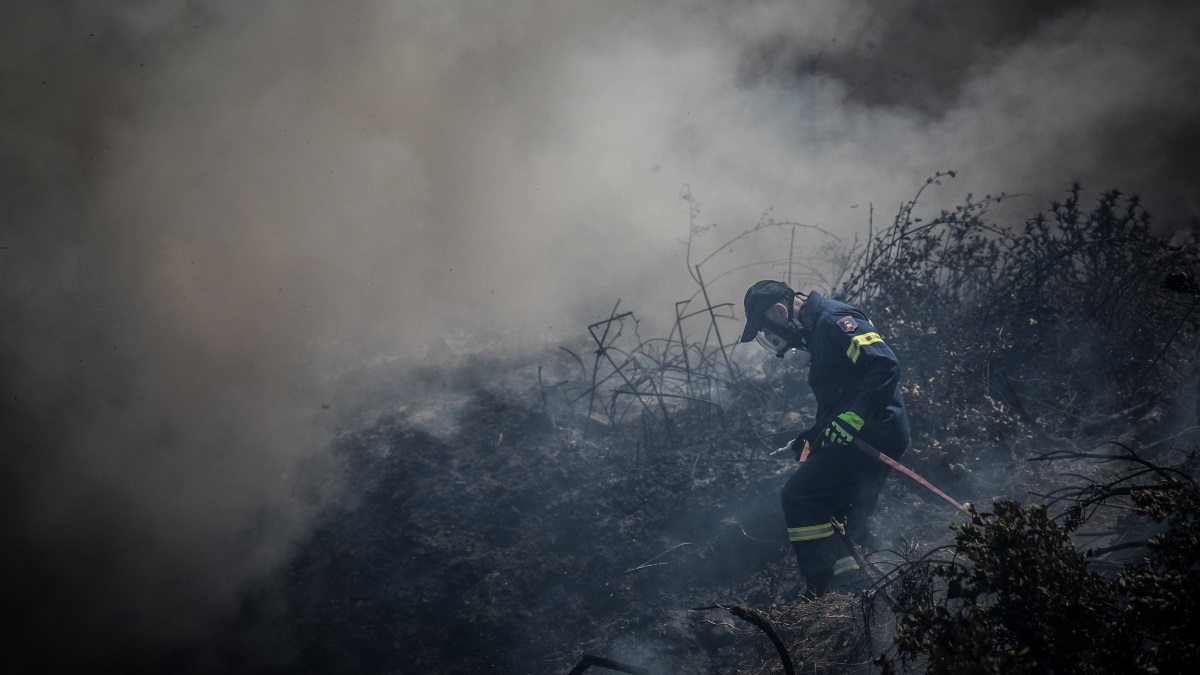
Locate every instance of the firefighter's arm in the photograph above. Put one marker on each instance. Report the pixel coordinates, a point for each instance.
(880, 372)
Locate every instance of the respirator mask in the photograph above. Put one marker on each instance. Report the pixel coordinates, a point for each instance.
(792, 350)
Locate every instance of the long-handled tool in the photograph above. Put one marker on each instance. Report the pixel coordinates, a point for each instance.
(872, 452)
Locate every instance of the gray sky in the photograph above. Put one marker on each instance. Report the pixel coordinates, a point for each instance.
(211, 209)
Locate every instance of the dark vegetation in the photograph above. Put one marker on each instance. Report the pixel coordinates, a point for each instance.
(613, 503)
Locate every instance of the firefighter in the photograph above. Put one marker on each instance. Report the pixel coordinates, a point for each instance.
(854, 376)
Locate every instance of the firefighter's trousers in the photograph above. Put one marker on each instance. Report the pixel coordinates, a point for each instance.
(839, 482)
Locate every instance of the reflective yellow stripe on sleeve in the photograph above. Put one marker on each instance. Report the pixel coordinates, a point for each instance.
(858, 342)
(810, 532)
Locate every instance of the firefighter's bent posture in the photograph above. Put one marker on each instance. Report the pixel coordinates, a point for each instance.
(855, 378)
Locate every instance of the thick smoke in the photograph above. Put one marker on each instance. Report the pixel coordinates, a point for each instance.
(210, 210)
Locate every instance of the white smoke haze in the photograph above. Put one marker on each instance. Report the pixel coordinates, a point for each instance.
(212, 209)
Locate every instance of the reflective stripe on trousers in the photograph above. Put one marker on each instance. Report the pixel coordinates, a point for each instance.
(847, 564)
(810, 532)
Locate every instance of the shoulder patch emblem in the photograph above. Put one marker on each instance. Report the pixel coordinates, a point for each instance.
(847, 324)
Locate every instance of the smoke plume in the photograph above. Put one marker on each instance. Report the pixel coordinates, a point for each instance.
(211, 210)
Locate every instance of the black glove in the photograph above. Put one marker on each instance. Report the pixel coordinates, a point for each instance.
(796, 446)
(812, 436)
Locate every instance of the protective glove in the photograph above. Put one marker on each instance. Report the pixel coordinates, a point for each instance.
(798, 447)
(843, 428)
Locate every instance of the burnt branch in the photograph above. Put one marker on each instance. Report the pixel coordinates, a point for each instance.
(755, 617)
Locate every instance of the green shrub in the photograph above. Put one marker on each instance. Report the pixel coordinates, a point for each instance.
(1019, 598)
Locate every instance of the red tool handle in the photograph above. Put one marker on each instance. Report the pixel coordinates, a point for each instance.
(866, 447)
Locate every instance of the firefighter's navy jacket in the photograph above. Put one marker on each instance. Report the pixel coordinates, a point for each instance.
(853, 370)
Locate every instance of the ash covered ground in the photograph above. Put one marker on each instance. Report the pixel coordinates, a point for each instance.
(492, 525)
(491, 528)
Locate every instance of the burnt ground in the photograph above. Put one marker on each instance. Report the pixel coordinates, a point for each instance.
(487, 528)
(488, 523)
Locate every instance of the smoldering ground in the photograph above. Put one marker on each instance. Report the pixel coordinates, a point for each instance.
(212, 210)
